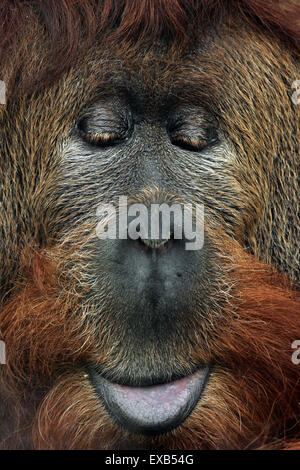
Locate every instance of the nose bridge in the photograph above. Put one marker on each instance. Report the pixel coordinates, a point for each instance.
(151, 174)
(155, 212)
(152, 157)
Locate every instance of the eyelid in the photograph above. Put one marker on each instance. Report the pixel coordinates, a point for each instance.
(194, 138)
(105, 124)
(102, 139)
(190, 143)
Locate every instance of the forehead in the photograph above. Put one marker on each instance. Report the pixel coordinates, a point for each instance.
(152, 78)
(226, 67)
(164, 76)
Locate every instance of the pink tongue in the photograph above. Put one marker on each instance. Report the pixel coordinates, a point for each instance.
(156, 408)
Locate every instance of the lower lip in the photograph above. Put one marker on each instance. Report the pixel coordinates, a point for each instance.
(154, 409)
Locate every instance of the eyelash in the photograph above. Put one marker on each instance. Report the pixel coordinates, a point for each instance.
(108, 139)
(103, 139)
(195, 144)
(188, 143)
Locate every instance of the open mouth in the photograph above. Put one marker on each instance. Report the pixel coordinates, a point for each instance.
(153, 409)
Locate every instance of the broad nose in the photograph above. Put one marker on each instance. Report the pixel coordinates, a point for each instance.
(154, 244)
(157, 233)
(151, 270)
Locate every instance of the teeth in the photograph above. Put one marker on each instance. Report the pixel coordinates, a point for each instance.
(154, 243)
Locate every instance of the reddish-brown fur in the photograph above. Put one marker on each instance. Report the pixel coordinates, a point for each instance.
(262, 322)
(72, 25)
(47, 404)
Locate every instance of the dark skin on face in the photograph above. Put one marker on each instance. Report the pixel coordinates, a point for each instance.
(106, 331)
(146, 145)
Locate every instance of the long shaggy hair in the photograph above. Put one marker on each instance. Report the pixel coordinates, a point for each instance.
(49, 332)
(71, 26)
(48, 402)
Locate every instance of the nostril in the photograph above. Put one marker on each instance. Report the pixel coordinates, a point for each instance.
(154, 243)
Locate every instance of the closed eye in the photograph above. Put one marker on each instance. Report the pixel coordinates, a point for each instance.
(189, 143)
(101, 139)
(195, 143)
(105, 124)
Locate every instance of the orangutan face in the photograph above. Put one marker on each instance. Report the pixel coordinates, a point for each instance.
(151, 341)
